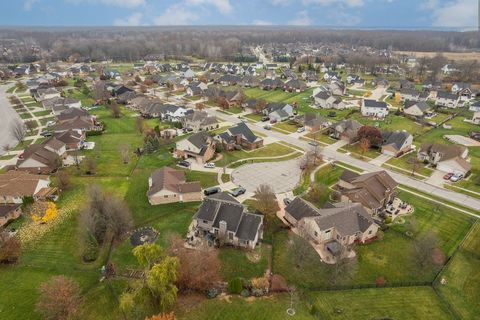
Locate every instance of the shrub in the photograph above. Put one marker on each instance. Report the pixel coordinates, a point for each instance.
(235, 286)
(245, 293)
(380, 281)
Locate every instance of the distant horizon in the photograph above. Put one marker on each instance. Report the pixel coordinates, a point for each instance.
(437, 15)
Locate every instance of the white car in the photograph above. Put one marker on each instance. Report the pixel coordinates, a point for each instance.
(50, 123)
(209, 165)
(300, 130)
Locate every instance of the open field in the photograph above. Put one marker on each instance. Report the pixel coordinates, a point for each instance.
(460, 56)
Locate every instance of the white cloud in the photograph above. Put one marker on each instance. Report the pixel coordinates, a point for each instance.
(223, 6)
(175, 15)
(262, 23)
(458, 13)
(130, 21)
(28, 4)
(302, 19)
(117, 3)
(280, 2)
(348, 3)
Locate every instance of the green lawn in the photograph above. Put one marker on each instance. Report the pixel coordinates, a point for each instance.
(237, 263)
(207, 179)
(286, 126)
(403, 162)
(355, 148)
(393, 123)
(385, 303)
(237, 308)
(25, 115)
(462, 287)
(269, 150)
(42, 113)
(254, 117)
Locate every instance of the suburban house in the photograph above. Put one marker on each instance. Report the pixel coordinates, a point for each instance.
(271, 84)
(196, 88)
(325, 100)
(463, 90)
(199, 121)
(310, 75)
(373, 108)
(278, 111)
(59, 104)
(446, 158)
(346, 130)
(417, 109)
(167, 185)
(223, 219)
(446, 99)
(239, 135)
(199, 146)
(336, 226)
(250, 81)
(475, 106)
(48, 93)
(228, 80)
(396, 143)
(80, 124)
(476, 117)
(412, 95)
(17, 185)
(295, 85)
(331, 76)
(337, 88)
(380, 82)
(313, 121)
(73, 140)
(42, 158)
(120, 89)
(373, 190)
(170, 112)
(9, 212)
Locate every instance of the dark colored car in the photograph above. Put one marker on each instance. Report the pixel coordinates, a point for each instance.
(265, 119)
(184, 163)
(212, 190)
(238, 191)
(46, 134)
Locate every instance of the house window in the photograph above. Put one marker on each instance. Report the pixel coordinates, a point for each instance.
(328, 231)
(370, 232)
(165, 196)
(205, 221)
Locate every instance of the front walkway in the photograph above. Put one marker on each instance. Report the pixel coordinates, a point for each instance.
(381, 159)
(337, 145)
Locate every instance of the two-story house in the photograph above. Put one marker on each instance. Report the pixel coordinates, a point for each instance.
(199, 146)
(373, 108)
(446, 158)
(239, 135)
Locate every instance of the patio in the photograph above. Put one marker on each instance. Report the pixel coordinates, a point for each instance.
(398, 208)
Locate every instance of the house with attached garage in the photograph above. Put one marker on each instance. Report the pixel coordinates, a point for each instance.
(271, 84)
(310, 75)
(346, 129)
(44, 158)
(373, 108)
(380, 82)
(228, 80)
(313, 121)
(396, 143)
(474, 106)
(221, 219)
(463, 90)
(239, 135)
(250, 81)
(9, 212)
(199, 121)
(17, 185)
(418, 109)
(186, 72)
(199, 146)
(325, 100)
(295, 85)
(167, 185)
(44, 94)
(334, 226)
(446, 158)
(412, 95)
(73, 140)
(172, 113)
(448, 100)
(337, 88)
(331, 76)
(373, 190)
(59, 104)
(278, 111)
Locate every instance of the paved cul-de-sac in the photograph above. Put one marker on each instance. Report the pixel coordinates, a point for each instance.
(282, 176)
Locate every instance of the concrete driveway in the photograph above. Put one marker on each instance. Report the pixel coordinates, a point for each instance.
(7, 117)
(436, 179)
(282, 176)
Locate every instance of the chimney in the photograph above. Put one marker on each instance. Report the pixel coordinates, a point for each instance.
(222, 225)
(150, 182)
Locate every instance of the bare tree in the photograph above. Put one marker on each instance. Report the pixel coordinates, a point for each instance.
(90, 165)
(62, 179)
(344, 267)
(116, 110)
(31, 125)
(424, 249)
(199, 268)
(60, 298)
(100, 91)
(10, 248)
(415, 163)
(140, 125)
(17, 130)
(6, 147)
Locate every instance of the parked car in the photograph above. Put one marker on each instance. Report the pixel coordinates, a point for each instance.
(184, 163)
(212, 190)
(448, 176)
(267, 127)
(456, 177)
(238, 191)
(46, 134)
(209, 165)
(313, 143)
(265, 119)
(273, 121)
(286, 201)
(50, 123)
(300, 130)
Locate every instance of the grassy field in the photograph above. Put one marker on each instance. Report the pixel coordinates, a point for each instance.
(269, 150)
(462, 287)
(385, 303)
(236, 308)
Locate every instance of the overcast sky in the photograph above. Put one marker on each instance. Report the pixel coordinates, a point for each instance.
(334, 13)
